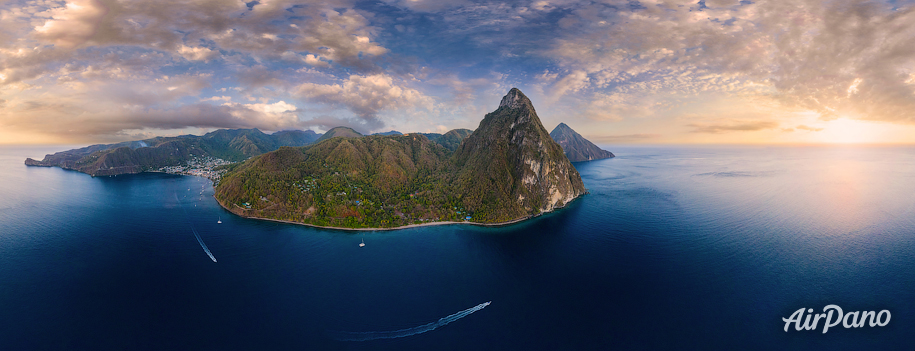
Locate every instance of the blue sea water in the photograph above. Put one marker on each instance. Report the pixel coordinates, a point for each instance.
(703, 248)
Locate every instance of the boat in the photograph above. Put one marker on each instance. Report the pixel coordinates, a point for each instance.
(219, 221)
(362, 244)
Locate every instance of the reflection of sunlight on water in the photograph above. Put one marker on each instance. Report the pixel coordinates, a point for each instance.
(840, 191)
(806, 191)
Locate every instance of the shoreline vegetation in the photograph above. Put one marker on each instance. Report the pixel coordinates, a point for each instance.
(508, 169)
(409, 226)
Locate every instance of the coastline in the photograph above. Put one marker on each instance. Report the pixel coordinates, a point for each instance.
(409, 226)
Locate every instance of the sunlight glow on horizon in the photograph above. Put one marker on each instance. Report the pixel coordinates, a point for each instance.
(664, 72)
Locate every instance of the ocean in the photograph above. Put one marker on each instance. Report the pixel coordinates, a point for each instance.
(675, 247)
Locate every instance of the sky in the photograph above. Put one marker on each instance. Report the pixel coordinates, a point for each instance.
(654, 71)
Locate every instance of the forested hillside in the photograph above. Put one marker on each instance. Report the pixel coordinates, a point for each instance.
(509, 168)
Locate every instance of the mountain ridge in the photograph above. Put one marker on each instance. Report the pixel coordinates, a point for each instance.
(576, 147)
(513, 151)
(506, 170)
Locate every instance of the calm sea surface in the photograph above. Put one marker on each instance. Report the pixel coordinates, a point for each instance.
(675, 248)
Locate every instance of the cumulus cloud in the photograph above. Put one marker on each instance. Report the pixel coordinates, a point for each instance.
(71, 120)
(718, 67)
(276, 116)
(71, 24)
(571, 82)
(197, 53)
(41, 35)
(366, 96)
(850, 58)
(107, 66)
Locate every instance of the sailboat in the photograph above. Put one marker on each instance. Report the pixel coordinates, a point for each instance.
(362, 244)
(219, 220)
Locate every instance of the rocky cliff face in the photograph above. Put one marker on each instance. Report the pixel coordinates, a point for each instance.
(510, 166)
(507, 169)
(576, 147)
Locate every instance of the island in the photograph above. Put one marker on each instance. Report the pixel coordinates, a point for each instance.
(506, 170)
(576, 147)
(165, 153)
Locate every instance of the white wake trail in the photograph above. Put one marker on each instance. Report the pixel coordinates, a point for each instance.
(204, 246)
(366, 336)
(199, 240)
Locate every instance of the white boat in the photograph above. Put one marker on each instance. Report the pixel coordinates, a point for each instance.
(219, 221)
(362, 244)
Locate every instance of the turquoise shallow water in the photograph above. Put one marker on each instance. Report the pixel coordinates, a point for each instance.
(675, 248)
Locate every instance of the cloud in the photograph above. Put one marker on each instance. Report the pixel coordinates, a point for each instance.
(847, 58)
(427, 5)
(41, 35)
(71, 120)
(624, 138)
(314, 61)
(72, 24)
(276, 116)
(571, 82)
(96, 67)
(736, 127)
(809, 129)
(719, 66)
(197, 53)
(366, 96)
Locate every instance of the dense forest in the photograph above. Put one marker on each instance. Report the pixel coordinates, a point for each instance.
(509, 168)
(372, 181)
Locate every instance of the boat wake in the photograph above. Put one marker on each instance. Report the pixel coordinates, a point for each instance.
(204, 246)
(196, 235)
(375, 335)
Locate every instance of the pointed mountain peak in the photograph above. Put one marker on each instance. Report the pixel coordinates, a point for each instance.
(510, 166)
(575, 146)
(514, 99)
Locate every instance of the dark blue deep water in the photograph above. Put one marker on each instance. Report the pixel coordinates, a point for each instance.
(676, 248)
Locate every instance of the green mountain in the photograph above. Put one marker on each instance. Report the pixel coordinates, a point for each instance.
(507, 169)
(510, 167)
(372, 181)
(295, 137)
(393, 132)
(152, 154)
(345, 132)
(576, 147)
(432, 136)
(450, 140)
